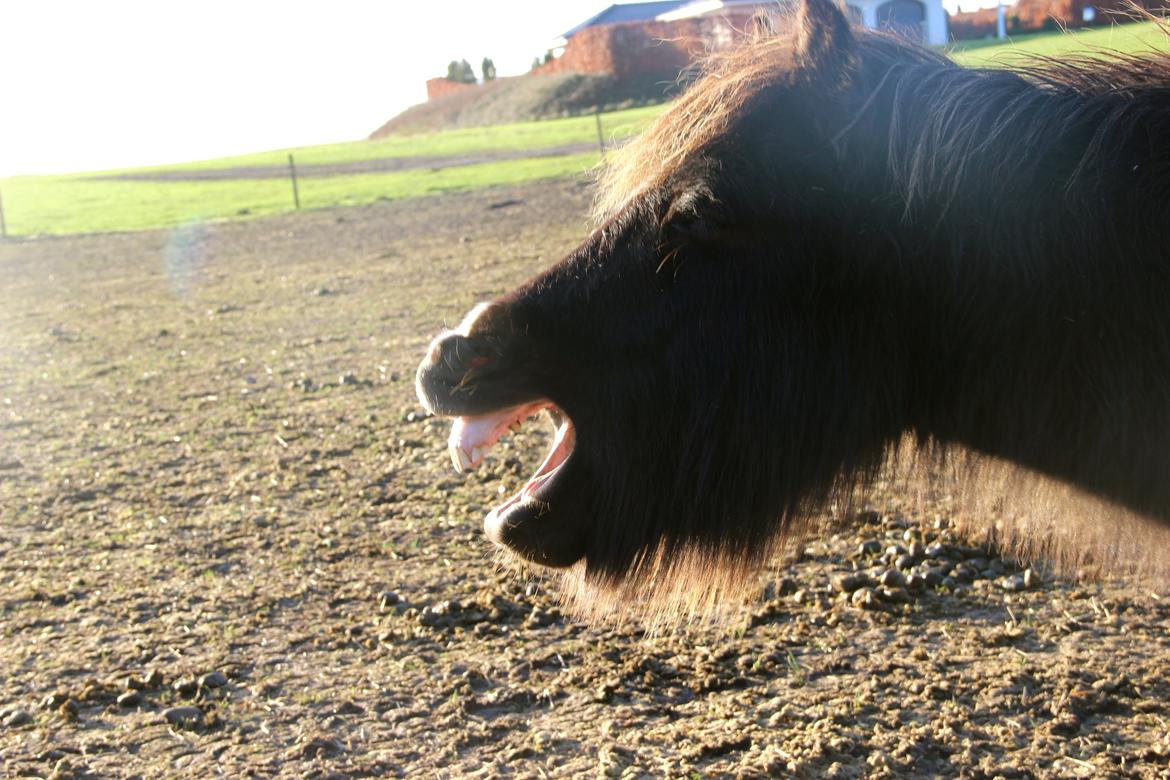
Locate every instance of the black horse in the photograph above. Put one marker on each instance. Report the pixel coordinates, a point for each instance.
(840, 253)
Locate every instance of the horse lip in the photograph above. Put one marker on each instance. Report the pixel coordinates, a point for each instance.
(523, 523)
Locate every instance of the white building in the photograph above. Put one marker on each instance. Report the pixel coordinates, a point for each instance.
(924, 20)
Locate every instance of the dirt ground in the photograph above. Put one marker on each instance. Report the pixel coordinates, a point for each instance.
(232, 544)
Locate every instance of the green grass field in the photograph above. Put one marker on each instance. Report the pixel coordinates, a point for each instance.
(1129, 38)
(522, 135)
(86, 203)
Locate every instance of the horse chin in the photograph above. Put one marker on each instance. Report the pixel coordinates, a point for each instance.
(530, 529)
(526, 523)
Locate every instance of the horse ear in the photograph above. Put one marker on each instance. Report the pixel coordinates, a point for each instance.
(824, 43)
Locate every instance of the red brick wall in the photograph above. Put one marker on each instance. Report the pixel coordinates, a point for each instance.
(444, 86)
(1035, 14)
(646, 47)
(974, 24)
(1030, 15)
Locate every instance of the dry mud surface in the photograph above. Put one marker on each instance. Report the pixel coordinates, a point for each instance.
(230, 543)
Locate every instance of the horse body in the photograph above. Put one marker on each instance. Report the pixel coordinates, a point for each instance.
(836, 254)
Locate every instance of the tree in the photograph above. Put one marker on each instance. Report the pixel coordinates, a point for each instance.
(460, 71)
(488, 69)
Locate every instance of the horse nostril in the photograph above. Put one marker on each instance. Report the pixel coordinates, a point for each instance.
(452, 356)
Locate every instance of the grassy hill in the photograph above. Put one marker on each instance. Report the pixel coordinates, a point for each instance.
(527, 98)
(1128, 38)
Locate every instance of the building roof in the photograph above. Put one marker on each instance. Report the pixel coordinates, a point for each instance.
(692, 8)
(627, 12)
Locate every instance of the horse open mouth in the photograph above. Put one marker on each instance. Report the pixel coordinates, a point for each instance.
(472, 437)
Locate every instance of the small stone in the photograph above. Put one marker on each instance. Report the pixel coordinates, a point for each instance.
(891, 578)
(915, 582)
(62, 770)
(431, 616)
(894, 550)
(347, 378)
(130, 699)
(868, 517)
(894, 595)
(54, 700)
(388, 599)
(185, 686)
(1013, 584)
(1031, 578)
(17, 717)
(935, 550)
(905, 561)
(870, 547)
(864, 598)
(185, 717)
(933, 578)
(916, 551)
(539, 618)
(848, 583)
(213, 680)
(896, 522)
(963, 573)
(68, 710)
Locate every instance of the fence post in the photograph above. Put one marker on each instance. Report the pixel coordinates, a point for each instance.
(600, 137)
(3, 226)
(292, 172)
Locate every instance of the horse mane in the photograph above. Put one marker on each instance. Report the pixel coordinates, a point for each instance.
(960, 118)
(962, 152)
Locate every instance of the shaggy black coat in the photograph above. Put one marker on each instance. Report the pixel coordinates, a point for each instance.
(840, 253)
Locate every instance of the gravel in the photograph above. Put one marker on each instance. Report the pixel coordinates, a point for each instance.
(134, 557)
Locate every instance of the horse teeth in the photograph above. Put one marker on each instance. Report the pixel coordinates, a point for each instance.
(477, 454)
(460, 458)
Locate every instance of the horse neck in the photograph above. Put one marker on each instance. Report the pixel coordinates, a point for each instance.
(1049, 346)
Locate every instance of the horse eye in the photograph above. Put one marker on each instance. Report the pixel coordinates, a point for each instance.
(691, 215)
(692, 226)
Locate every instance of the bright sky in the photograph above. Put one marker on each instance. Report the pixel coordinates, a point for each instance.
(93, 84)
